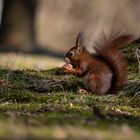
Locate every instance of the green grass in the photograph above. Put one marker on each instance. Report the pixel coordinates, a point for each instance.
(46, 104)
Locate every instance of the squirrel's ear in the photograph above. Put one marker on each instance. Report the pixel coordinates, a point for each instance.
(79, 40)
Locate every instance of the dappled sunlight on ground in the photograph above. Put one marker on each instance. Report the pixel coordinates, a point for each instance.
(27, 61)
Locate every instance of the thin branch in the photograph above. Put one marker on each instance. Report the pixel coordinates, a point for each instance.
(138, 57)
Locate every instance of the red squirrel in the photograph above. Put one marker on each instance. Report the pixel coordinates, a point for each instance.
(103, 72)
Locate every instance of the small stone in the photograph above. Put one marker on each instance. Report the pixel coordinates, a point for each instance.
(71, 104)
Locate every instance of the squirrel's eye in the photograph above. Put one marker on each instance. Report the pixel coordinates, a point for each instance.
(71, 54)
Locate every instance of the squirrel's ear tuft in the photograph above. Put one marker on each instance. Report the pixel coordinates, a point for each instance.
(79, 40)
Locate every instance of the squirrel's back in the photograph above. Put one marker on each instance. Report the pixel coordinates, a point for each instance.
(108, 49)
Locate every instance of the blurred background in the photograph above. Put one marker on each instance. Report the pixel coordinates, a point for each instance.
(49, 27)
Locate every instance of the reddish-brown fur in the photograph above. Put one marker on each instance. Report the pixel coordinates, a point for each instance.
(103, 72)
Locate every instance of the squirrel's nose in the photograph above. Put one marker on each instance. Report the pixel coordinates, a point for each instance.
(66, 60)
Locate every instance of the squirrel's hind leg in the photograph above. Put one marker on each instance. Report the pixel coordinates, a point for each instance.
(83, 91)
(90, 83)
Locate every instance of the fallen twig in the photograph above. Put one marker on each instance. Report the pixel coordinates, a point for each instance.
(138, 57)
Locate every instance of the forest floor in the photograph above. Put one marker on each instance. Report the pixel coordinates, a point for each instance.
(46, 104)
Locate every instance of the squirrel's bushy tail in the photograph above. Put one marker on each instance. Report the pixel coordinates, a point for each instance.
(108, 49)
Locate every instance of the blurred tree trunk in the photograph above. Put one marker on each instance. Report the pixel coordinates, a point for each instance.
(1, 7)
(17, 26)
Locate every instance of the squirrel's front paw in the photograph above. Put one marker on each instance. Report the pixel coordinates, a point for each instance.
(67, 68)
